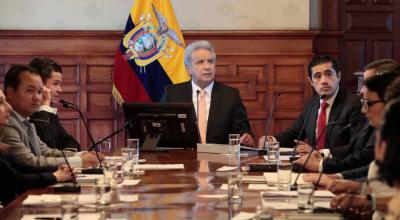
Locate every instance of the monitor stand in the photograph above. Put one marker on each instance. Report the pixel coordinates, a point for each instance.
(151, 142)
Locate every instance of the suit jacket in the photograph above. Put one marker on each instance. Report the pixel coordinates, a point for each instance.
(51, 132)
(360, 153)
(15, 135)
(359, 173)
(346, 108)
(227, 113)
(14, 182)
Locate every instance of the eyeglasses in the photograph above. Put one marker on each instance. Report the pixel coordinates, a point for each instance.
(369, 103)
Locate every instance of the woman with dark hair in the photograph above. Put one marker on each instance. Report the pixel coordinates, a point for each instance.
(389, 142)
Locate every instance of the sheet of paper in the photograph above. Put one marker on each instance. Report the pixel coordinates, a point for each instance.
(161, 166)
(254, 179)
(129, 198)
(213, 196)
(244, 216)
(226, 168)
(317, 193)
(56, 199)
(281, 157)
(262, 187)
(224, 187)
(88, 178)
(323, 204)
(130, 182)
(272, 178)
(279, 205)
(86, 216)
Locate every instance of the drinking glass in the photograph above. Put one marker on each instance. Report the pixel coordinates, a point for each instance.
(273, 152)
(305, 200)
(284, 175)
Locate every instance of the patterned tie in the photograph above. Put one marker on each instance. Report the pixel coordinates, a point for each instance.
(202, 116)
(34, 144)
(322, 126)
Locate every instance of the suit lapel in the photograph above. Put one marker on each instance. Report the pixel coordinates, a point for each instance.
(312, 126)
(214, 105)
(335, 113)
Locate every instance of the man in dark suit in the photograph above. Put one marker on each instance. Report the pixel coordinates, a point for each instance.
(47, 123)
(219, 108)
(338, 105)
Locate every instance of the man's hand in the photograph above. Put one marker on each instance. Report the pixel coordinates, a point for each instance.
(348, 202)
(261, 141)
(326, 179)
(312, 164)
(46, 96)
(89, 160)
(63, 174)
(303, 148)
(338, 186)
(247, 140)
(101, 156)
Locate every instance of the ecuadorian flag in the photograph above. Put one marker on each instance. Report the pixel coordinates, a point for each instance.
(150, 55)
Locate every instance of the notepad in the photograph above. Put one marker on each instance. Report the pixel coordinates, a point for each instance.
(161, 166)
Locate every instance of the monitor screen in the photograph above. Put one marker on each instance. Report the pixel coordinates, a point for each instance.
(163, 125)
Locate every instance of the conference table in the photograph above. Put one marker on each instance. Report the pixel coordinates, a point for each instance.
(165, 194)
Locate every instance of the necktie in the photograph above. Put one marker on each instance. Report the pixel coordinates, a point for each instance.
(202, 116)
(321, 130)
(34, 144)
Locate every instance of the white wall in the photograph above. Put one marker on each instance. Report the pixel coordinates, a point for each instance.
(191, 14)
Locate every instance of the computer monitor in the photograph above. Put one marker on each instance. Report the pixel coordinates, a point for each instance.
(162, 125)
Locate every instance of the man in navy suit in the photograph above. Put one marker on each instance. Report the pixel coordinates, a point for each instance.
(218, 106)
(340, 105)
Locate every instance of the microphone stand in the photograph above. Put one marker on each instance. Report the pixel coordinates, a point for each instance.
(302, 167)
(68, 188)
(293, 157)
(270, 119)
(98, 170)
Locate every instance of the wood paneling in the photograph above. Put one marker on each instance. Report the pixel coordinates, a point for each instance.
(258, 63)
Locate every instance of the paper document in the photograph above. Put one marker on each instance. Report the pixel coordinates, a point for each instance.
(160, 166)
(272, 178)
(226, 168)
(129, 198)
(244, 216)
(317, 193)
(213, 196)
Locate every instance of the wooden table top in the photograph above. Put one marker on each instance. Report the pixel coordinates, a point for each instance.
(165, 194)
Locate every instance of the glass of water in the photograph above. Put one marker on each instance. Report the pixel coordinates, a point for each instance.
(305, 200)
(105, 146)
(69, 207)
(273, 152)
(235, 190)
(284, 175)
(133, 145)
(234, 150)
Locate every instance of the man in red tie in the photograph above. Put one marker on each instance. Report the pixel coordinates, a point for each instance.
(331, 104)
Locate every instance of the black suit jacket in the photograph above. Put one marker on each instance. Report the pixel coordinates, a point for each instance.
(345, 108)
(227, 114)
(359, 173)
(13, 182)
(360, 153)
(51, 132)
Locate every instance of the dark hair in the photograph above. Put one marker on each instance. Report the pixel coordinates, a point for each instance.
(12, 78)
(379, 83)
(320, 59)
(390, 133)
(45, 66)
(393, 91)
(382, 65)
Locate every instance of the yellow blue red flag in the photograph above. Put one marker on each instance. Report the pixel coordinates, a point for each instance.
(150, 56)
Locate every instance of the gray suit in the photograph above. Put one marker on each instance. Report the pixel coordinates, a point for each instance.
(15, 135)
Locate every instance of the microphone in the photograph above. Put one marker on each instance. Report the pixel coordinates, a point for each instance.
(76, 108)
(270, 118)
(304, 125)
(302, 167)
(320, 174)
(68, 188)
(197, 103)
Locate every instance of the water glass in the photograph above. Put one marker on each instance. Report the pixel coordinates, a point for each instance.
(234, 150)
(105, 146)
(273, 152)
(235, 190)
(69, 207)
(103, 191)
(133, 144)
(305, 201)
(284, 175)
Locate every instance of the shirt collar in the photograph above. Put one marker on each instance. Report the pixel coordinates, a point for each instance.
(208, 89)
(19, 117)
